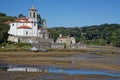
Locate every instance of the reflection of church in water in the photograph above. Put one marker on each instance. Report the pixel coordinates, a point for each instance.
(29, 30)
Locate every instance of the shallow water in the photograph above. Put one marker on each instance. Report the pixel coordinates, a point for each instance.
(51, 69)
(84, 72)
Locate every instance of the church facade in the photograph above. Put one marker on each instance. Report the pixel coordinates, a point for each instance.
(28, 30)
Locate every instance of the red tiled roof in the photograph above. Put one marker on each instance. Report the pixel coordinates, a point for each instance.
(22, 20)
(24, 27)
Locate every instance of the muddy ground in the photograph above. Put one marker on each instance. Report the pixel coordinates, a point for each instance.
(95, 58)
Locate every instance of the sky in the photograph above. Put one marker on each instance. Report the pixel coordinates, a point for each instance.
(67, 13)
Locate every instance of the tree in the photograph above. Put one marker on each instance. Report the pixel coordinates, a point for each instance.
(21, 16)
(116, 38)
(2, 14)
(3, 33)
(4, 27)
(39, 20)
(82, 38)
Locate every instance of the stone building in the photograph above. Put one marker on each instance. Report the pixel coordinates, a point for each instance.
(65, 41)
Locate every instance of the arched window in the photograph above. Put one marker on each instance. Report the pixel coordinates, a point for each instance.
(34, 15)
(30, 14)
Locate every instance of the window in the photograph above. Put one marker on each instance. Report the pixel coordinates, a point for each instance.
(34, 24)
(34, 15)
(30, 14)
(12, 24)
(26, 32)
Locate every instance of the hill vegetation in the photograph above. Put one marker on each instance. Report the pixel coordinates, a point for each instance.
(104, 34)
(4, 27)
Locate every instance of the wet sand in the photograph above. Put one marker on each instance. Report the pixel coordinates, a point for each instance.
(100, 58)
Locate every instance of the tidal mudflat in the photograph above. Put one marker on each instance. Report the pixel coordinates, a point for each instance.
(85, 64)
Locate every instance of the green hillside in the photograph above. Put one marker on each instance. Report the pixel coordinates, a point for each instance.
(104, 34)
(4, 27)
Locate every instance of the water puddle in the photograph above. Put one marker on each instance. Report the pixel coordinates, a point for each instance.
(84, 72)
(46, 69)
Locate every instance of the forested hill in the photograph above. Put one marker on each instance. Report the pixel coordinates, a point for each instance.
(4, 27)
(104, 34)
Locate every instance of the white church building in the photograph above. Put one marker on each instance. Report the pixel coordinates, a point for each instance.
(27, 30)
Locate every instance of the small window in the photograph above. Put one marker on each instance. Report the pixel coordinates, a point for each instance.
(35, 24)
(30, 14)
(12, 24)
(34, 15)
(26, 32)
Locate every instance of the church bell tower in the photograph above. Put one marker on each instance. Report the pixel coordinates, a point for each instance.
(33, 14)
